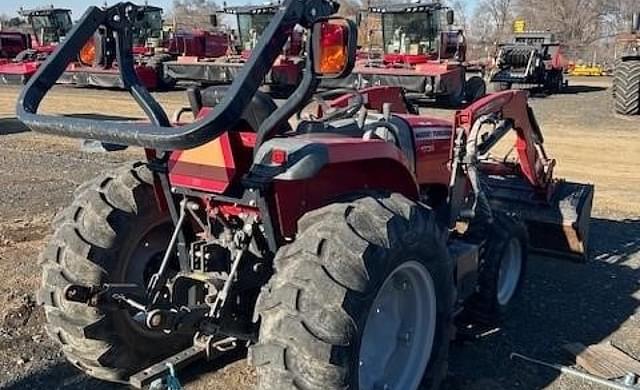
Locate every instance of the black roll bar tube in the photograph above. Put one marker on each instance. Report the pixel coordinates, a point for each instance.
(159, 134)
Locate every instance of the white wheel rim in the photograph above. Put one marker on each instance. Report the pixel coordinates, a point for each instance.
(509, 271)
(398, 336)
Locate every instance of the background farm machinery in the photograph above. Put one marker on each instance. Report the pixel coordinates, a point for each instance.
(626, 82)
(420, 52)
(96, 65)
(48, 27)
(531, 58)
(222, 69)
(153, 47)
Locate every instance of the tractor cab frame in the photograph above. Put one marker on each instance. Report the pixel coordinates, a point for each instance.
(49, 25)
(421, 51)
(251, 21)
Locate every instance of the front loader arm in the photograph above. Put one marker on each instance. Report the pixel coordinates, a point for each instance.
(556, 212)
(511, 108)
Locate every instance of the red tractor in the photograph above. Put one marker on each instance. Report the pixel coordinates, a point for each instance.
(221, 69)
(532, 58)
(49, 26)
(96, 63)
(340, 250)
(13, 43)
(421, 53)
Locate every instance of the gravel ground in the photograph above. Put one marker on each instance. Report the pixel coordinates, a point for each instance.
(562, 301)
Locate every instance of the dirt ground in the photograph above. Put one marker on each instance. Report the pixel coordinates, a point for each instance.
(562, 301)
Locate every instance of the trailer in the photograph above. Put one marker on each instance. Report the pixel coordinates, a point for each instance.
(531, 58)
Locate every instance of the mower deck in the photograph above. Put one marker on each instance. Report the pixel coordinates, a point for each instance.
(209, 72)
(17, 73)
(105, 78)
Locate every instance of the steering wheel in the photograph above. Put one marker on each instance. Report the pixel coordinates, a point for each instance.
(329, 113)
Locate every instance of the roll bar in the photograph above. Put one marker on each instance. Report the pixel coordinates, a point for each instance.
(159, 134)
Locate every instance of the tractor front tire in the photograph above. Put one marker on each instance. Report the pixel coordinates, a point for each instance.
(322, 320)
(554, 81)
(113, 232)
(627, 87)
(503, 264)
(475, 89)
(165, 82)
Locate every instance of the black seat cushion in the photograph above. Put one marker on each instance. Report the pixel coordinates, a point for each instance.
(260, 108)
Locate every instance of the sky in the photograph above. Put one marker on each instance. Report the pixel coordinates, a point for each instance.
(10, 7)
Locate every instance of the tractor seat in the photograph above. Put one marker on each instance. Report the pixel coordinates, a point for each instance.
(396, 130)
(258, 110)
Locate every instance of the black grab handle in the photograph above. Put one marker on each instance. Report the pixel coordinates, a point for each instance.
(159, 134)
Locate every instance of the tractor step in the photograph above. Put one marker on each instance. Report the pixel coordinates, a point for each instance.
(556, 226)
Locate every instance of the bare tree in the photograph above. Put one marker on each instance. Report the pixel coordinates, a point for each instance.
(619, 14)
(461, 12)
(491, 19)
(500, 14)
(491, 25)
(349, 8)
(192, 14)
(577, 23)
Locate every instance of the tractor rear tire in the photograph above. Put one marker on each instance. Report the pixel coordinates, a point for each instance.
(113, 221)
(627, 87)
(499, 282)
(315, 309)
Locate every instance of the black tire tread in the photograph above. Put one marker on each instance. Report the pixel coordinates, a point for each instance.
(627, 87)
(483, 306)
(475, 89)
(307, 309)
(87, 236)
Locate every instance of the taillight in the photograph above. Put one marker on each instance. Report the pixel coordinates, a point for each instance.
(278, 157)
(87, 54)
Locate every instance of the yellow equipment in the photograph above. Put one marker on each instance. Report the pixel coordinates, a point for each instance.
(587, 70)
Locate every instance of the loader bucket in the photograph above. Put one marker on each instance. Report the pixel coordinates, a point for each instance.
(558, 226)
